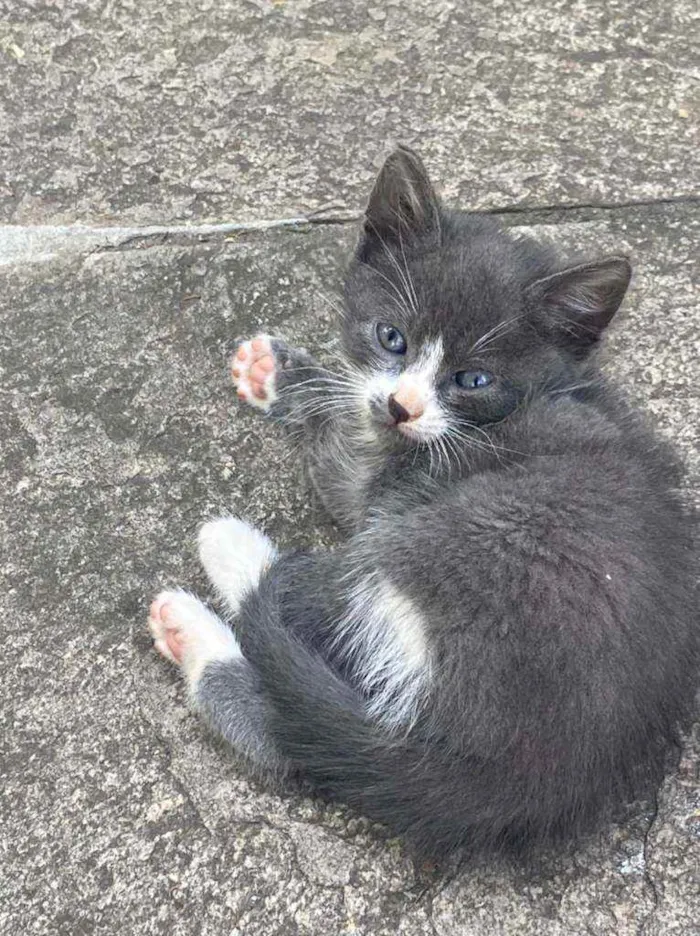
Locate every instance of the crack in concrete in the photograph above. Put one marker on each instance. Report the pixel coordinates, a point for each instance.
(331, 216)
(598, 206)
(37, 243)
(648, 878)
(166, 748)
(430, 914)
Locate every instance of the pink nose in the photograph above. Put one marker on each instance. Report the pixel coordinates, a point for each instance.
(398, 412)
(406, 403)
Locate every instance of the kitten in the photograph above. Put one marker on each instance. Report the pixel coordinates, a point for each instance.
(507, 641)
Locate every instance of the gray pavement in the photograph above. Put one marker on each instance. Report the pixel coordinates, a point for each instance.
(119, 432)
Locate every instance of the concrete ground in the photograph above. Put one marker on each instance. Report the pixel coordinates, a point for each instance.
(144, 146)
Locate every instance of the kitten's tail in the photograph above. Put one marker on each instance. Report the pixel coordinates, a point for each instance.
(320, 724)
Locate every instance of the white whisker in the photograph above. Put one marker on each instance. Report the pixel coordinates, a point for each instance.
(333, 304)
(498, 331)
(410, 280)
(405, 297)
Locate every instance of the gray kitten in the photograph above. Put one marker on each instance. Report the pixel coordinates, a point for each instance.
(507, 641)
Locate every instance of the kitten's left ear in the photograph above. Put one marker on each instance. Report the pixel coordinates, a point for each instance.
(580, 302)
(403, 201)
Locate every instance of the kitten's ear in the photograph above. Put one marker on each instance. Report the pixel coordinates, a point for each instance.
(403, 202)
(580, 302)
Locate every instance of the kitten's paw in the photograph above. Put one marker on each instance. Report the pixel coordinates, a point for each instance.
(234, 555)
(253, 369)
(166, 639)
(187, 633)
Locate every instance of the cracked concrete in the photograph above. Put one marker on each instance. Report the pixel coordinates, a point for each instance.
(167, 192)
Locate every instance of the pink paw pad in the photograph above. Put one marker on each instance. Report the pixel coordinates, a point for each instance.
(167, 637)
(253, 371)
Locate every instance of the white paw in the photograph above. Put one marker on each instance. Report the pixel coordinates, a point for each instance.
(234, 555)
(253, 369)
(187, 633)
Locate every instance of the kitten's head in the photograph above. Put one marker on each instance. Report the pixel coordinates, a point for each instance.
(451, 323)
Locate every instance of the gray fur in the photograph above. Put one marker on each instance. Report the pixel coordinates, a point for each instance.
(229, 697)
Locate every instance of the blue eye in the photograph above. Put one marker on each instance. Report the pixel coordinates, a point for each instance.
(391, 339)
(472, 380)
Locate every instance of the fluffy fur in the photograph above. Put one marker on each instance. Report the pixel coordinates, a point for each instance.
(507, 642)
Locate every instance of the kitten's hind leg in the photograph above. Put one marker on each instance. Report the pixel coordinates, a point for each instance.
(188, 634)
(234, 555)
(222, 685)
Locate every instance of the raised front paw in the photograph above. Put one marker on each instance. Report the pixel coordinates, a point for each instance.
(254, 371)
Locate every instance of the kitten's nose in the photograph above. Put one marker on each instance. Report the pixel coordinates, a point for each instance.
(399, 413)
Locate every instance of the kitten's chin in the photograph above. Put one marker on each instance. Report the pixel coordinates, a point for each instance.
(413, 433)
(387, 433)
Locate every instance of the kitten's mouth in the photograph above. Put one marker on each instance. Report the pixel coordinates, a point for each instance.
(408, 429)
(414, 431)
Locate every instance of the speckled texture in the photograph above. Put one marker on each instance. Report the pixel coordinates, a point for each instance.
(150, 111)
(119, 433)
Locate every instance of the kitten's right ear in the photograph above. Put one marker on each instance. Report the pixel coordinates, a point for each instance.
(403, 202)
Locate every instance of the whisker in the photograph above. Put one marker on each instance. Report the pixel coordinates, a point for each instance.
(406, 296)
(319, 407)
(489, 445)
(401, 306)
(444, 452)
(408, 276)
(579, 386)
(402, 276)
(308, 387)
(399, 299)
(498, 331)
(458, 449)
(452, 446)
(334, 304)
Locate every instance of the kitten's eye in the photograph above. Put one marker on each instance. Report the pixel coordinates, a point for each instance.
(472, 380)
(391, 339)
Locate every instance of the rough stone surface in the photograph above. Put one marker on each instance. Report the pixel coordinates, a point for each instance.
(138, 141)
(119, 433)
(149, 111)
